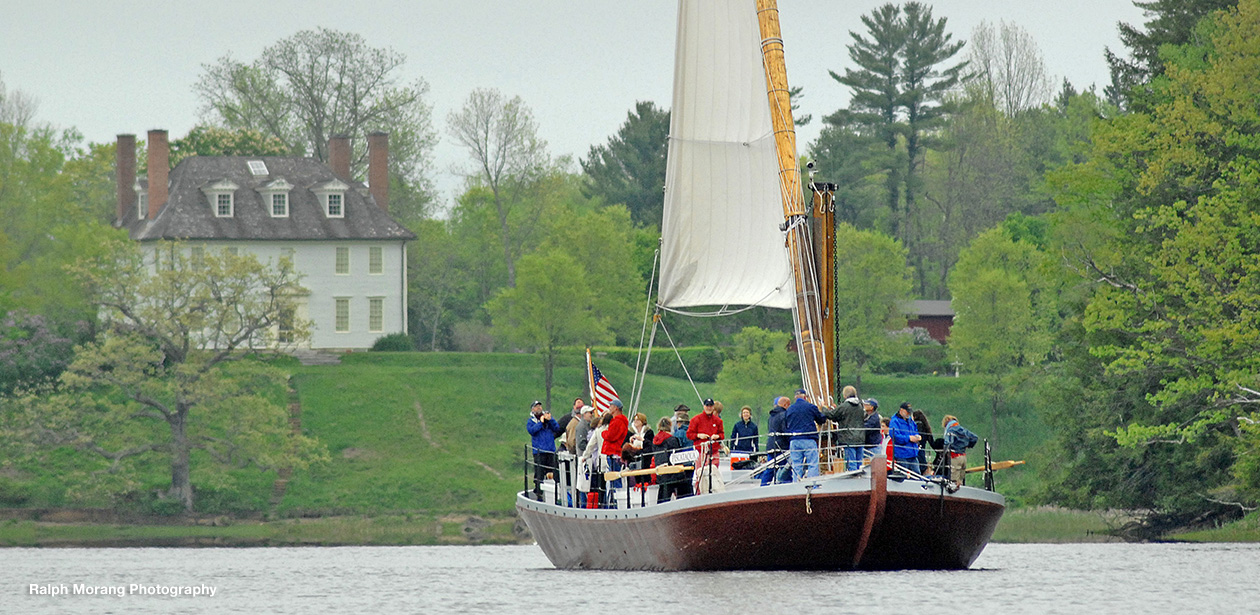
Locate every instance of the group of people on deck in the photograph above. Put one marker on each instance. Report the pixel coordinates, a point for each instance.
(609, 441)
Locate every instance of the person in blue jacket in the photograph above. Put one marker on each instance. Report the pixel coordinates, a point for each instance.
(543, 431)
(744, 437)
(905, 437)
(802, 421)
(957, 440)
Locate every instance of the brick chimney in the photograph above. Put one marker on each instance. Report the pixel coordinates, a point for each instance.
(159, 171)
(378, 168)
(339, 156)
(125, 173)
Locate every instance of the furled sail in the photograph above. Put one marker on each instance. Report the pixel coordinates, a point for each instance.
(720, 238)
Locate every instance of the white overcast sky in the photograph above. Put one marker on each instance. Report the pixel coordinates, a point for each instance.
(127, 66)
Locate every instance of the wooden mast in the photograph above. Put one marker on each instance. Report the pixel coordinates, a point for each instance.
(815, 371)
(824, 227)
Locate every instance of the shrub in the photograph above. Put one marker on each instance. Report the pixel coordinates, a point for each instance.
(703, 362)
(13, 493)
(31, 351)
(922, 360)
(394, 342)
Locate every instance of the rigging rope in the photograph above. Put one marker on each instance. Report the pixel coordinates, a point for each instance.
(680, 359)
(647, 310)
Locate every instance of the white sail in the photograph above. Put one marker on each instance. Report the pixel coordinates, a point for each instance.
(720, 238)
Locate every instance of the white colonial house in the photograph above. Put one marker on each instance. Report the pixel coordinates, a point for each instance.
(337, 231)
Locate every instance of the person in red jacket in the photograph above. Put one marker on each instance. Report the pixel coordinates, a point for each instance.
(706, 430)
(614, 439)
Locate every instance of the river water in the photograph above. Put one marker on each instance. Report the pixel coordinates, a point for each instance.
(1128, 579)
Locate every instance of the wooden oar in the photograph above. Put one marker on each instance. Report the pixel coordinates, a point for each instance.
(611, 475)
(997, 465)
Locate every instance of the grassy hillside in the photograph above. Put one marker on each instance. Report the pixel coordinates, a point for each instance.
(442, 433)
(422, 431)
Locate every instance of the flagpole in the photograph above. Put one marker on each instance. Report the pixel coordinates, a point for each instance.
(590, 376)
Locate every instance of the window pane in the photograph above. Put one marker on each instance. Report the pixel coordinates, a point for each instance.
(284, 326)
(280, 205)
(376, 314)
(343, 261)
(343, 314)
(374, 260)
(224, 205)
(334, 205)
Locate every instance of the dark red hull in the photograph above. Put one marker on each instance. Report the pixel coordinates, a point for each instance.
(850, 523)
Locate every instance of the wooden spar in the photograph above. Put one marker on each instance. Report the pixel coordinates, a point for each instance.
(590, 377)
(614, 474)
(809, 322)
(824, 198)
(997, 465)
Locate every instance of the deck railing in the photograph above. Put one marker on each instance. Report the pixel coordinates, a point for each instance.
(564, 472)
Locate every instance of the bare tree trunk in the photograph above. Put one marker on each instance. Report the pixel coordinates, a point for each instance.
(181, 481)
(506, 235)
(549, 364)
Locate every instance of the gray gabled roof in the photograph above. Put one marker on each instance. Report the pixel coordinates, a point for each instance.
(188, 213)
(920, 308)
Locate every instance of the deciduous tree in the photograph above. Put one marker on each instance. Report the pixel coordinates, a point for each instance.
(552, 306)
(873, 285)
(206, 140)
(157, 379)
(757, 367)
(508, 159)
(1008, 67)
(1001, 302)
(318, 83)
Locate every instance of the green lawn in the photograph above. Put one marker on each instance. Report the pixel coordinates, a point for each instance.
(439, 433)
(378, 530)
(426, 431)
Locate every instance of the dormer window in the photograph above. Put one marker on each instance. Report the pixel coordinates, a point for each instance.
(275, 197)
(332, 195)
(222, 197)
(223, 205)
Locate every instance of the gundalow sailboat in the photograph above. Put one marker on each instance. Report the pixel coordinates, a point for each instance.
(737, 232)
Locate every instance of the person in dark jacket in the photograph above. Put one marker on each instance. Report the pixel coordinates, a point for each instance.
(926, 443)
(671, 484)
(777, 444)
(543, 431)
(871, 425)
(744, 438)
(848, 417)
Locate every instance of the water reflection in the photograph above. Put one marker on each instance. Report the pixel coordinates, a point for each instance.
(1077, 578)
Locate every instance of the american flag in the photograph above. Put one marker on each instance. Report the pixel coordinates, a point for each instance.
(604, 392)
